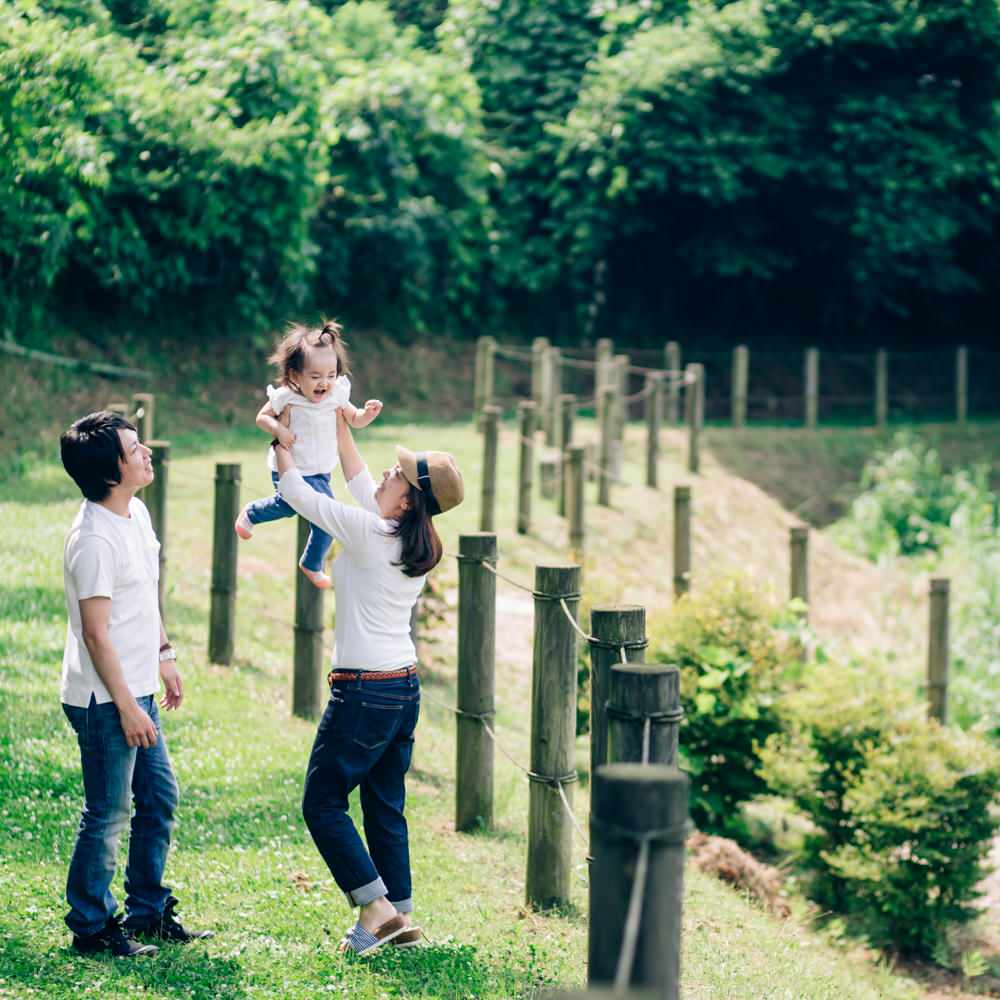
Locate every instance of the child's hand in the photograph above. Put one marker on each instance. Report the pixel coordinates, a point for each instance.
(285, 437)
(372, 409)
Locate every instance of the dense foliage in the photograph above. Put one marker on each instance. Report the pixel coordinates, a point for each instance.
(900, 806)
(424, 164)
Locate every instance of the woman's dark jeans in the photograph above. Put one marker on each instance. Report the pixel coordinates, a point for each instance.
(365, 738)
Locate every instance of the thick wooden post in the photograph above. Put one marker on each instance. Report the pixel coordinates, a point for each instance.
(155, 498)
(144, 407)
(553, 737)
(308, 682)
(962, 384)
(799, 547)
(638, 825)
(682, 540)
(694, 412)
(477, 609)
(539, 384)
(567, 412)
(485, 355)
(607, 398)
(654, 417)
(222, 615)
(554, 392)
(117, 406)
(812, 388)
(937, 651)
(620, 382)
(602, 373)
(573, 463)
(644, 713)
(881, 389)
(613, 630)
(548, 475)
(491, 441)
(741, 374)
(672, 353)
(526, 466)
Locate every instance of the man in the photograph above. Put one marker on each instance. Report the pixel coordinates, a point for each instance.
(115, 647)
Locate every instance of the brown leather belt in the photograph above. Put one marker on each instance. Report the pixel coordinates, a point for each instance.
(368, 675)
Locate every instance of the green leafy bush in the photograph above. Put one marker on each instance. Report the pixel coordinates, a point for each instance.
(909, 500)
(900, 805)
(734, 659)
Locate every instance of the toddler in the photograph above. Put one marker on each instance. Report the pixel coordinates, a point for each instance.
(301, 413)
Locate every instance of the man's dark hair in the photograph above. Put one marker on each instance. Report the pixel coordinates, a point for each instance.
(91, 450)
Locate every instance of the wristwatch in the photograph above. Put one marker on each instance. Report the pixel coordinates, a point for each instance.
(167, 652)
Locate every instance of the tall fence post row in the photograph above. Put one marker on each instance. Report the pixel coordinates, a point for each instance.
(741, 374)
(483, 386)
(638, 825)
(155, 498)
(575, 500)
(488, 495)
(539, 379)
(606, 397)
(682, 540)
(307, 676)
(694, 412)
(222, 612)
(812, 388)
(962, 384)
(619, 380)
(672, 354)
(477, 602)
(554, 392)
(602, 373)
(612, 630)
(526, 410)
(881, 389)
(566, 410)
(553, 737)
(654, 419)
(937, 650)
(644, 713)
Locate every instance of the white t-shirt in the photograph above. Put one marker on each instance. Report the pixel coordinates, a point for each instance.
(313, 424)
(374, 597)
(107, 555)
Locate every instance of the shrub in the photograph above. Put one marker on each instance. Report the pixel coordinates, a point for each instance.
(733, 658)
(900, 805)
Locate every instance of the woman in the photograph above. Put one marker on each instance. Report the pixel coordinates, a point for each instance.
(366, 734)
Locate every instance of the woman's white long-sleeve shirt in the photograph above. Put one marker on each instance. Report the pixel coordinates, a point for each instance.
(374, 597)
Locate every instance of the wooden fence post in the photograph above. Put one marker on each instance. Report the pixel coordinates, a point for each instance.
(117, 406)
(491, 435)
(620, 374)
(526, 468)
(644, 713)
(612, 629)
(477, 609)
(962, 384)
(308, 682)
(673, 364)
(553, 737)
(566, 412)
(485, 354)
(602, 373)
(554, 392)
(881, 388)
(638, 826)
(812, 388)
(799, 577)
(548, 475)
(607, 398)
(694, 411)
(654, 418)
(144, 406)
(539, 383)
(222, 614)
(937, 651)
(575, 500)
(155, 498)
(682, 540)
(741, 374)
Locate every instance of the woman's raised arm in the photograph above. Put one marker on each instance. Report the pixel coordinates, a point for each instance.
(350, 459)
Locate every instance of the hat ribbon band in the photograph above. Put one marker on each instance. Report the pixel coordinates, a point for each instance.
(424, 482)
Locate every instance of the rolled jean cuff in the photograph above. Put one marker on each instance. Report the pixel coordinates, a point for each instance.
(366, 893)
(403, 905)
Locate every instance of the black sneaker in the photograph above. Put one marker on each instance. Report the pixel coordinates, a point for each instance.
(167, 927)
(112, 938)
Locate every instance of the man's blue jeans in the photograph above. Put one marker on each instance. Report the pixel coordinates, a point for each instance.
(276, 507)
(365, 738)
(113, 774)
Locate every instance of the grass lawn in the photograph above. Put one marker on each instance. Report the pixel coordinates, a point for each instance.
(243, 862)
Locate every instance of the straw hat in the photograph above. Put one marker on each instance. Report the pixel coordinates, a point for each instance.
(435, 474)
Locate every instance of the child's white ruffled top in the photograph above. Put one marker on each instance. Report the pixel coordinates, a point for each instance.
(313, 424)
